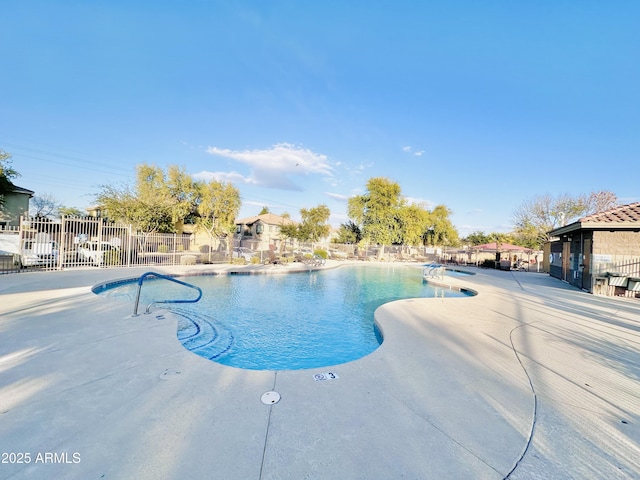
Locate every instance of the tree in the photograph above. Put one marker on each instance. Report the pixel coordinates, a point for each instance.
(7, 173)
(44, 205)
(218, 207)
(377, 212)
(182, 194)
(537, 216)
(287, 231)
(599, 201)
(70, 212)
(414, 221)
(476, 238)
(157, 203)
(349, 233)
(264, 211)
(314, 223)
(440, 230)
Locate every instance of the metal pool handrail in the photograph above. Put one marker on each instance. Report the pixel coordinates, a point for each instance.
(149, 274)
(431, 268)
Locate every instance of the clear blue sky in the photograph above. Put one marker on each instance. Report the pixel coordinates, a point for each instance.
(475, 105)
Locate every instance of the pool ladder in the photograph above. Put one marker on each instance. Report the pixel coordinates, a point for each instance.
(166, 277)
(433, 270)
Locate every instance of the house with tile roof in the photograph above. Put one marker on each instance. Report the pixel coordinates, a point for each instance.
(600, 253)
(261, 232)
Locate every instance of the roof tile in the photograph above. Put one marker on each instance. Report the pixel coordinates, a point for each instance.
(623, 213)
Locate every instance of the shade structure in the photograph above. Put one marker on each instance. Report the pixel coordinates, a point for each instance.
(501, 247)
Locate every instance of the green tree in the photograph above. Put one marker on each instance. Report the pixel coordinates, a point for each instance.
(477, 238)
(288, 231)
(440, 230)
(349, 233)
(314, 223)
(218, 207)
(157, 203)
(182, 194)
(264, 210)
(414, 221)
(377, 212)
(7, 174)
(70, 212)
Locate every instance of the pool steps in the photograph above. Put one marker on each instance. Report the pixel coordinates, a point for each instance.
(202, 335)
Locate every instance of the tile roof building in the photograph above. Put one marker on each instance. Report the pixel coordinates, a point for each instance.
(600, 253)
(261, 232)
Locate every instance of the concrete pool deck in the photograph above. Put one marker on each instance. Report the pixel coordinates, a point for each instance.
(529, 379)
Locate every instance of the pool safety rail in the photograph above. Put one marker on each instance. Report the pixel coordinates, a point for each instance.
(165, 277)
(433, 270)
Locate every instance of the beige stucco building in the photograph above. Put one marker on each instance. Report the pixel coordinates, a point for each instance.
(600, 253)
(261, 232)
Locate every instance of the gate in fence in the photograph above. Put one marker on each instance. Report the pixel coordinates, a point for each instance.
(68, 242)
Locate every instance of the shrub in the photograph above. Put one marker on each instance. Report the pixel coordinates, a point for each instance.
(188, 260)
(321, 253)
(162, 248)
(112, 257)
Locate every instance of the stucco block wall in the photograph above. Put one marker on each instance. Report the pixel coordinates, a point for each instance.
(616, 243)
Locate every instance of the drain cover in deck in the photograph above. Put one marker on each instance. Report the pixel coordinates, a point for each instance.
(269, 398)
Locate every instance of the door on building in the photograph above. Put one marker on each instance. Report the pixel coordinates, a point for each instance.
(566, 261)
(586, 262)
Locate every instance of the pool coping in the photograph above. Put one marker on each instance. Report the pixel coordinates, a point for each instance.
(444, 395)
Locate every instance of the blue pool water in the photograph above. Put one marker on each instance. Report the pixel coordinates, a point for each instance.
(286, 322)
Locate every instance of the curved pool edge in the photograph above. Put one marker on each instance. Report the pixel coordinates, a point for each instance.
(224, 269)
(398, 403)
(211, 323)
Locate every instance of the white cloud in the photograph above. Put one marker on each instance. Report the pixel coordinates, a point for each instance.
(360, 168)
(419, 153)
(282, 157)
(254, 203)
(232, 177)
(337, 196)
(406, 149)
(272, 167)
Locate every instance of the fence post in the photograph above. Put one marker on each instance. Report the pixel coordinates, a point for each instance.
(175, 248)
(62, 242)
(129, 246)
(99, 236)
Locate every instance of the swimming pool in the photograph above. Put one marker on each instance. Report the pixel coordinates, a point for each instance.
(286, 322)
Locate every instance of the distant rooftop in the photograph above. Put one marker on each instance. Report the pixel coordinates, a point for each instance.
(268, 218)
